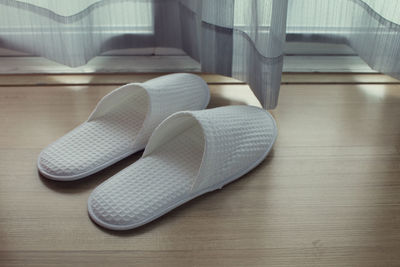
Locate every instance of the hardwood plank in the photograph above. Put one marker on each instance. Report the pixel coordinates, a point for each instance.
(120, 79)
(318, 255)
(96, 79)
(337, 78)
(321, 64)
(327, 195)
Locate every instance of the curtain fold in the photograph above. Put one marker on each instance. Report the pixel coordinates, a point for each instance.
(240, 38)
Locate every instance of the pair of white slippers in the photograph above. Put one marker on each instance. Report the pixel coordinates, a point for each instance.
(188, 151)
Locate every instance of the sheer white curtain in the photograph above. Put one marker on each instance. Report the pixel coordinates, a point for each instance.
(239, 38)
(370, 27)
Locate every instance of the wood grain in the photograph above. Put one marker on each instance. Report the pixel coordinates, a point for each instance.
(328, 194)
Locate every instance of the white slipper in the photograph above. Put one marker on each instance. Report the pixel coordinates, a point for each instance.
(190, 153)
(121, 125)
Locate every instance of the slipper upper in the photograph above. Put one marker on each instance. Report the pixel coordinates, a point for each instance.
(121, 124)
(167, 94)
(235, 137)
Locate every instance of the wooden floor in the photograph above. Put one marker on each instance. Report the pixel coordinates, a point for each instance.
(327, 195)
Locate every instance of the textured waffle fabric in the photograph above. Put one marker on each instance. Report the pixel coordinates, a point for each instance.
(188, 154)
(121, 124)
